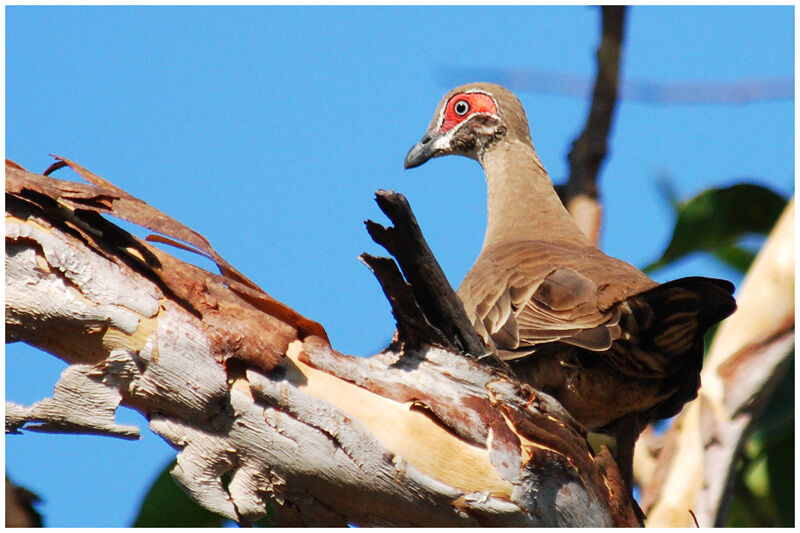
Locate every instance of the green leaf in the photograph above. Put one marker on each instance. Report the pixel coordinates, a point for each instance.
(776, 427)
(778, 415)
(780, 467)
(715, 220)
(166, 505)
(764, 482)
(735, 256)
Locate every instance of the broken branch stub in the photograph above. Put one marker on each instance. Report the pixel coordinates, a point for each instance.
(412, 326)
(434, 295)
(262, 410)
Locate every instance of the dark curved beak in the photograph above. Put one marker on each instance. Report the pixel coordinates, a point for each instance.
(421, 152)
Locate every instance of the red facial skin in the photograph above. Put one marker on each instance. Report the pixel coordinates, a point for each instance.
(478, 103)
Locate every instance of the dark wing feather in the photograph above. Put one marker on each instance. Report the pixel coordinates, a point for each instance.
(666, 329)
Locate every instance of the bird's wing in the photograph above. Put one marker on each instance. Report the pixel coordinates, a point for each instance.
(526, 294)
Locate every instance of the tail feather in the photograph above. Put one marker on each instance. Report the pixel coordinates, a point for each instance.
(716, 301)
(665, 325)
(683, 311)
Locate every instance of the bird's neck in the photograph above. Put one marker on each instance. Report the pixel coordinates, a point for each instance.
(522, 202)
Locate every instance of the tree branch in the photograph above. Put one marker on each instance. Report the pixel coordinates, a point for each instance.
(428, 285)
(749, 355)
(249, 391)
(580, 194)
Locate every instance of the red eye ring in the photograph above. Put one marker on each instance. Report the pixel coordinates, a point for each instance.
(464, 105)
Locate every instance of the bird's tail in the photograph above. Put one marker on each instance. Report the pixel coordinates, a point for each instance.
(667, 325)
(687, 308)
(715, 297)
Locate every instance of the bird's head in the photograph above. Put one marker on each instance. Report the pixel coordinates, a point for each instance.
(468, 121)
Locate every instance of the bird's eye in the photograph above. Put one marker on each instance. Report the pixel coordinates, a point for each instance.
(461, 108)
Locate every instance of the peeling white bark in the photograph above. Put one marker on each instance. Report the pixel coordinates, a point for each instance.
(94, 292)
(426, 439)
(749, 355)
(80, 404)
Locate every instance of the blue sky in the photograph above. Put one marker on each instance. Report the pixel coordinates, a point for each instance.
(267, 129)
